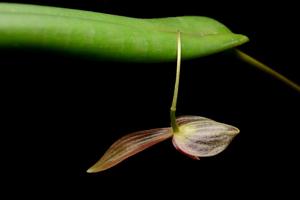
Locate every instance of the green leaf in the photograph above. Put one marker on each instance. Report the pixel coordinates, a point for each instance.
(111, 37)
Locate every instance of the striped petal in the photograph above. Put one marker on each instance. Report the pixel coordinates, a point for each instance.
(202, 137)
(130, 145)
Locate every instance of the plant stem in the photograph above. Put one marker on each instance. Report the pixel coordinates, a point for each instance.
(252, 61)
(174, 101)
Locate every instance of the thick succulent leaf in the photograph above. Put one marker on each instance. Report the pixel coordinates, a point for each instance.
(202, 137)
(112, 37)
(130, 145)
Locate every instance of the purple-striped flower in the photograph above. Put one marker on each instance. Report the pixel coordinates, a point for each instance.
(197, 137)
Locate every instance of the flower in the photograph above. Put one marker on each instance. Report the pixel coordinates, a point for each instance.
(197, 137)
(192, 135)
(202, 137)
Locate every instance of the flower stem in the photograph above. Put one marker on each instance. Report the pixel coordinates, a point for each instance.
(174, 124)
(252, 61)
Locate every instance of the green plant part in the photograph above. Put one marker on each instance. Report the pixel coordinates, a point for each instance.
(252, 61)
(111, 37)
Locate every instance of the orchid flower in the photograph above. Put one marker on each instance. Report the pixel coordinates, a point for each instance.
(194, 136)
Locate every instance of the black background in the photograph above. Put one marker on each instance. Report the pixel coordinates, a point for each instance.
(65, 111)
